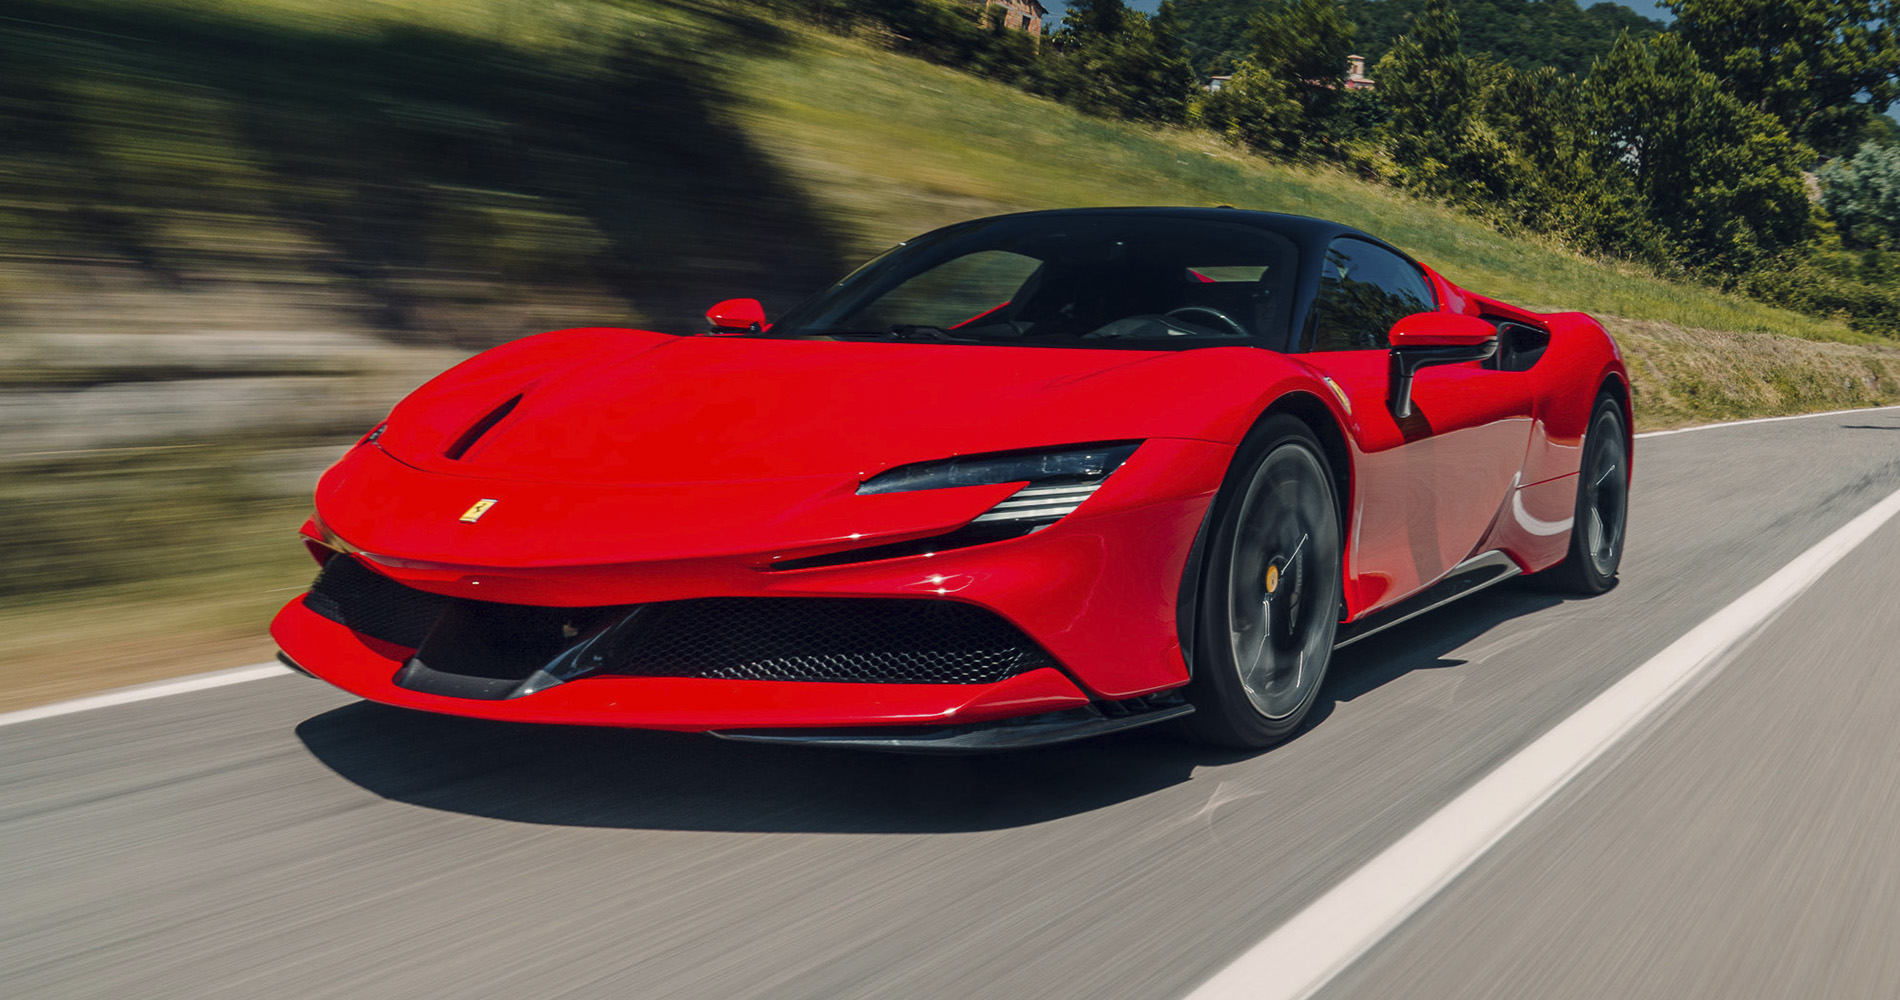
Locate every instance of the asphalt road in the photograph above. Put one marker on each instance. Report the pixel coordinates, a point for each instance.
(277, 838)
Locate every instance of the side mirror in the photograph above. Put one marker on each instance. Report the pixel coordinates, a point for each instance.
(737, 316)
(1434, 338)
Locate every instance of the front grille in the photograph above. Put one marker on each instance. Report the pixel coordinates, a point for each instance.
(851, 640)
(848, 640)
(351, 594)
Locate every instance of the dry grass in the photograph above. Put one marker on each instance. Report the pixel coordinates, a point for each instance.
(99, 643)
(1687, 376)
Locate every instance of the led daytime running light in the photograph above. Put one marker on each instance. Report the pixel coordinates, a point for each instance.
(1083, 465)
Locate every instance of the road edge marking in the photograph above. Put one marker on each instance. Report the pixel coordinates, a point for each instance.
(1306, 952)
(146, 692)
(1765, 420)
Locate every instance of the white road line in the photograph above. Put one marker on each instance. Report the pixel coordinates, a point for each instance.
(145, 692)
(1306, 952)
(1764, 420)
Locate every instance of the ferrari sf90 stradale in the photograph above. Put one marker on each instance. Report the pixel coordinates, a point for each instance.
(1022, 480)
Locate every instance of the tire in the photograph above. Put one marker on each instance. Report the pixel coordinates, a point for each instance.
(1601, 518)
(1269, 591)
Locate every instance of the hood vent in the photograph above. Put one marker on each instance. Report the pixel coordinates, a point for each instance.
(479, 428)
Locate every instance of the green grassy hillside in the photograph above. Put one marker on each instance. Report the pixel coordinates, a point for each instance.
(231, 231)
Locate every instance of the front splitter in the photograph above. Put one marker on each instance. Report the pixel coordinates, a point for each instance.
(1011, 734)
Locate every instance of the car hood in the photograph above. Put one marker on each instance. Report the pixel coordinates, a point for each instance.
(626, 408)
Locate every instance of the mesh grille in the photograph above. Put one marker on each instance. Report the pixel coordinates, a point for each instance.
(853, 640)
(352, 594)
(850, 640)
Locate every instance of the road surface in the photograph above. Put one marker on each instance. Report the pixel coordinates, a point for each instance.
(277, 838)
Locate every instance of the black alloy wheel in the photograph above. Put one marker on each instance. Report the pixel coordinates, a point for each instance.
(1602, 513)
(1270, 591)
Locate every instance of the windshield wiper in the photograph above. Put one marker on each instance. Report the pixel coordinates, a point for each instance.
(902, 331)
(909, 331)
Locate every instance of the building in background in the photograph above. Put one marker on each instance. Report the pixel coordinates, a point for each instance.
(1020, 15)
(1356, 78)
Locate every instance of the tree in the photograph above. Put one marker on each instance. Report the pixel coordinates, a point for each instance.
(1115, 61)
(1822, 67)
(1306, 42)
(1722, 177)
(1285, 94)
(1170, 82)
(1256, 108)
(1862, 193)
(1526, 153)
(1095, 20)
(1881, 130)
(1426, 81)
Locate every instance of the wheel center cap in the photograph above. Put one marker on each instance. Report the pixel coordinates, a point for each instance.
(1273, 579)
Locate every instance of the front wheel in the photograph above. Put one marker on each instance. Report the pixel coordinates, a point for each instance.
(1269, 604)
(1602, 511)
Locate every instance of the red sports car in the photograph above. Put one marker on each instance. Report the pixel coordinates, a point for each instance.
(1022, 480)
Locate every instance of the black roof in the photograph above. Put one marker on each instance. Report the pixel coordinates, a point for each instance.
(1309, 232)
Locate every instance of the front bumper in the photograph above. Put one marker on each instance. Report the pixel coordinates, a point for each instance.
(368, 669)
(1096, 591)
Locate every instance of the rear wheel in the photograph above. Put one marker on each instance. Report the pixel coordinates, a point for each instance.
(1269, 598)
(1602, 512)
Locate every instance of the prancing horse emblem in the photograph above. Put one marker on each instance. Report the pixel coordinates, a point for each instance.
(475, 512)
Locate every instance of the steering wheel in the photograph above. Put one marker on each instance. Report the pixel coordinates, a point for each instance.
(1224, 319)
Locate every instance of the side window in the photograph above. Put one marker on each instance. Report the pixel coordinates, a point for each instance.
(1363, 290)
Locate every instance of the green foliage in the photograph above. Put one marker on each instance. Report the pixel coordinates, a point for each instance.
(1525, 34)
(1256, 108)
(1510, 144)
(1286, 95)
(1721, 177)
(1862, 193)
(1882, 130)
(1427, 82)
(1528, 149)
(1173, 82)
(1306, 42)
(1862, 289)
(1823, 67)
(1096, 19)
(1119, 62)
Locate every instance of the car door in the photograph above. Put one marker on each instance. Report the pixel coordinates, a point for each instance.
(1429, 486)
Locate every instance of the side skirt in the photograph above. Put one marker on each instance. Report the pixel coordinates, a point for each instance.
(1466, 578)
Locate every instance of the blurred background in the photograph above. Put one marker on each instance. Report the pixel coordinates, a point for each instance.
(234, 232)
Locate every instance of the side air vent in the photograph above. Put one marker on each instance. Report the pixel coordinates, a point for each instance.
(479, 428)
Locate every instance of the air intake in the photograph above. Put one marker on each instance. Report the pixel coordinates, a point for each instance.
(479, 428)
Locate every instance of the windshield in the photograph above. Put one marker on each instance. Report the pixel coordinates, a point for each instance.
(1152, 282)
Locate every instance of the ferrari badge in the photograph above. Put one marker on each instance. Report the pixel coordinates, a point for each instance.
(474, 512)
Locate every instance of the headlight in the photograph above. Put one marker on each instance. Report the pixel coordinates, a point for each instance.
(1056, 481)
